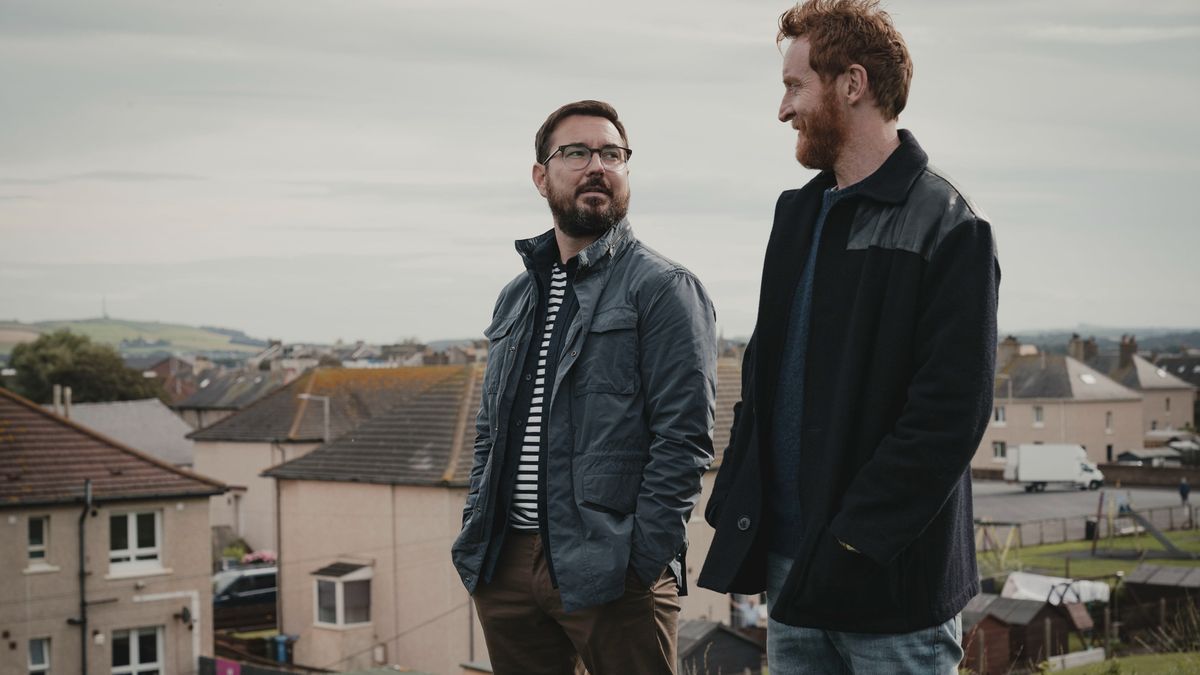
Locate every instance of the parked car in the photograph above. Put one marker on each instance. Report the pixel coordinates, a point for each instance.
(244, 599)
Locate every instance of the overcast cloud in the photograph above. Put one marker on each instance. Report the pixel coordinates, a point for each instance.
(322, 170)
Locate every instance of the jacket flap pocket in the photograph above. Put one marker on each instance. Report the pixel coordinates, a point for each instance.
(615, 492)
(500, 326)
(617, 318)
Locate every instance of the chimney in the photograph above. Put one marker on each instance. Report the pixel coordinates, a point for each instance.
(1128, 349)
(67, 402)
(58, 399)
(1077, 348)
(1008, 350)
(1090, 349)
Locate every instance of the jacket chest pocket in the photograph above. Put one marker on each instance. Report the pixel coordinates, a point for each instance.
(608, 362)
(502, 347)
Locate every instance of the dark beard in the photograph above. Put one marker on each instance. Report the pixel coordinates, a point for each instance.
(824, 135)
(587, 222)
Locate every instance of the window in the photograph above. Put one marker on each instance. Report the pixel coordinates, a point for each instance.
(1038, 416)
(999, 415)
(1168, 404)
(343, 595)
(134, 540)
(39, 531)
(39, 656)
(1153, 425)
(1108, 450)
(137, 651)
(1108, 422)
(999, 450)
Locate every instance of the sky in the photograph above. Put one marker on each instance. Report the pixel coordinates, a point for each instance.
(322, 170)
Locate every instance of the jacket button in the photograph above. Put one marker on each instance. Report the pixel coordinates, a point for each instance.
(528, 377)
(574, 353)
(743, 523)
(512, 348)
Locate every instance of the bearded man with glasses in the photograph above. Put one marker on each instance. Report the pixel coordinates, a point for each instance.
(594, 428)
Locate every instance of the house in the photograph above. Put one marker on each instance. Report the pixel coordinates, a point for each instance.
(713, 648)
(104, 561)
(1187, 368)
(1162, 456)
(147, 425)
(366, 522)
(1052, 398)
(1167, 401)
(322, 404)
(219, 395)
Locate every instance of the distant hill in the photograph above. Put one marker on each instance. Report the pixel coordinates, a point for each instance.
(1161, 340)
(134, 338)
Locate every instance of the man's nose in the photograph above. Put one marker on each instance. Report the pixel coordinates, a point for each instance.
(785, 111)
(594, 164)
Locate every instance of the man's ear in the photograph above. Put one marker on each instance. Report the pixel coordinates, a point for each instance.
(539, 178)
(857, 84)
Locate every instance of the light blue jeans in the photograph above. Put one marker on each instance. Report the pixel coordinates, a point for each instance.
(792, 650)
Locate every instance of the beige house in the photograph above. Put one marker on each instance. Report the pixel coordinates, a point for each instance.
(140, 601)
(1167, 401)
(366, 524)
(286, 424)
(1051, 398)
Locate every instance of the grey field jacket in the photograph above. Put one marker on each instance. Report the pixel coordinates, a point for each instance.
(630, 421)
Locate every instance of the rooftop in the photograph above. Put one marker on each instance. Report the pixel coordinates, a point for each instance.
(426, 437)
(46, 458)
(232, 391)
(147, 425)
(1054, 376)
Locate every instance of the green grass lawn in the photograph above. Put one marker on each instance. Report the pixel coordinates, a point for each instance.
(1053, 558)
(1148, 664)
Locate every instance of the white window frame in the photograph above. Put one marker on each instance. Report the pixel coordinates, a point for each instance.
(42, 668)
(1108, 422)
(999, 416)
(999, 451)
(135, 667)
(364, 574)
(1039, 416)
(43, 548)
(128, 561)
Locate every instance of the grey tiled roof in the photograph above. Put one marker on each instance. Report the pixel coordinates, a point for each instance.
(356, 395)
(1138, 373)
(147, 425)
(232, 391)
(427, 436)
(1186, 368)
(1050, 376)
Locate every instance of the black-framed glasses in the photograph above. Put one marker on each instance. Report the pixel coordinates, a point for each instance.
(576, 156)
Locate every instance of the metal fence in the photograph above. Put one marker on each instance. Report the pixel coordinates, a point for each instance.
(1075, 528)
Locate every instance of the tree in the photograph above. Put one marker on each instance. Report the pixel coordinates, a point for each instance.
(94, 372)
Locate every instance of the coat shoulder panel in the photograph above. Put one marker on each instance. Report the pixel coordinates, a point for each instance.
(935, 206)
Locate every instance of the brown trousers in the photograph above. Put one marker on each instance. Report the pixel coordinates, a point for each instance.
(527, 632)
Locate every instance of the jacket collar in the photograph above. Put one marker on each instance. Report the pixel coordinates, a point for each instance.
(895, 177)
(614, 242)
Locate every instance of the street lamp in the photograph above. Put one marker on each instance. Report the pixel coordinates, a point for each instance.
(323, 399)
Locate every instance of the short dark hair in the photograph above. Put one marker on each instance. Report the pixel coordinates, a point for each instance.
(541, 142)
(844, 32)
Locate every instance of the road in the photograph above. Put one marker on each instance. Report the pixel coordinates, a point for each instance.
(997, 500)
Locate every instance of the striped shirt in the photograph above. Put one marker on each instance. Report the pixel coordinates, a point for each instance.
(523, 515)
